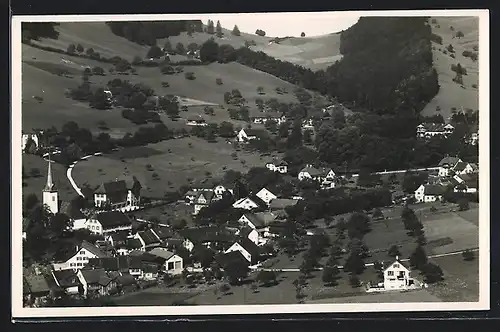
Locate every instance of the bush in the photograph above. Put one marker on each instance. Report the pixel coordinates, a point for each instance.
(218, 81)
(190, 75)
(468, 255)
(167, 70)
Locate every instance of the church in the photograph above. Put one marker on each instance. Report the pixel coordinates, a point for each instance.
(50, 196)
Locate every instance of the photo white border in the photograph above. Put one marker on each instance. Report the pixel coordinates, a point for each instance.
(18, 311)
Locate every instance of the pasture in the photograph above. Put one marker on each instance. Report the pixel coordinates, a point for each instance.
(181, 161)
(416, 296)
(450, 93)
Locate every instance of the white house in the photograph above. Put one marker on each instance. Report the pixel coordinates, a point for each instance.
(429, 193)
(281, 167)
(220, 189)
(78, 260)
(251, 234)
(246, 203)
(118, 196)
(245, 135)
(466, 183)
(265, 195)
(397, 277)
(26, 138)
(203, 199)
(312, 173)
(247, 248)
(196, 120)
(173, 263)
(463, 168)
(105, 223)
(427, 130)
(258, 221)
(447, 164)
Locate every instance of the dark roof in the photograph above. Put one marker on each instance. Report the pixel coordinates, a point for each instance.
(93, 249)
(449, 161)
(113, 219)
(164, 232)
(119, 237)
(208, 195)
(66, 278)
(149, 237)
(205, 184)
(434, 190)
(251, 131)
(37, 284)
(163, 253)
(313, 171)
(126, 280)
(207, 234)
(148, 257)
(116, 191)
(386, 265)
(255, 220)
(460, 166)
(133, 244)
(95, 276)
(245, 231)
(233, 257)
(151, 268)
(281, 203)
(249, 246)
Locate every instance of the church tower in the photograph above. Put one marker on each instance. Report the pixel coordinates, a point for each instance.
(50, 195)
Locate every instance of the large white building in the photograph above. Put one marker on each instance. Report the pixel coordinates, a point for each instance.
(78, 260)
(118, 196)
(397, 277)
(429, 193)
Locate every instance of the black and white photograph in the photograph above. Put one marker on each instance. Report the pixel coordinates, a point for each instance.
(250, 163)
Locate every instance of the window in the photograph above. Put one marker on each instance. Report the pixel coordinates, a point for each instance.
(170, 266)
(178, 265)
(82, 252)
(390, 273)
(78, 264)
(396, 265)
(53, 198)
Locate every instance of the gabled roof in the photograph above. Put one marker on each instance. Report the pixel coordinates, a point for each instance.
(281, 203)
(255, 220)
(449, 161)
(120, 263)
(313, 171)
(249, 246)
(116, 191)
(66, 278)
(92, 249)
(434, 127)
(113, 219)
(245, 231)
(460, 166)
(208, 195)
(251, 131)
(207, 234)
(434, 190)
(397, 261)
(126, 280)
(163, 253)
(131, 244)
(119, 237)
(164, 232)
(149, 237)
(95, 276)
(233, 257)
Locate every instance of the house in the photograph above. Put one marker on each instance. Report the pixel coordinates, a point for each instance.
(117, 238)
(122, 264)
(250, 203)
(118, 195)
(429, 193)
(313, 173)
(463, 168)
(247, 248)
(37, 288)
(131, 244)
(190, 196)
(280, 167)
(95, 281)
(259, 117)
(259, 221)
(397, 276)
(282, 203)
(29, 137)
(251, 234)
(265, 195)
(245, 135)
(428, 130)
(308, 124)
(211, 236)
(149, 239)
(126, 283)
(173, 263)
(233, 258)
(220, 190)
(196, 120)
(67, 280)
(204, 185)
(111, 221)
(466, 183)
(446, 164)
(203, 199)
(78, 260)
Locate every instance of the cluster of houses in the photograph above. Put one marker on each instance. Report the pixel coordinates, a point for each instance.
(452, 171)
(428, 130)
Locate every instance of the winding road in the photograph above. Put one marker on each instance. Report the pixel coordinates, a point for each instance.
(70, 169)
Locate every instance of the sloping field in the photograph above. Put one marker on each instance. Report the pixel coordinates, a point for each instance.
(311, 52)
(452, 94)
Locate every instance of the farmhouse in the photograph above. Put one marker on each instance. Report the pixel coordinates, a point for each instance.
(280, 167)
(173, 263)
(245, 135)
(250, 203)
(265, 195)
(233, 258)
(149, 239)
(67, 280)
(105, 223)
(78, 260)
(196, 120)
(429, 193)
(326, 176)
(447, 164)
(128, 246)
(118, 196)
(465, 183)
(427, 130)
(95, 281)
(203, 199)
(247, 248)
(121, 264)
(263, 117)
(260, 222)
(190, 196)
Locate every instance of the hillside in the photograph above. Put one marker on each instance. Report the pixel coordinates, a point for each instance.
(450, 93)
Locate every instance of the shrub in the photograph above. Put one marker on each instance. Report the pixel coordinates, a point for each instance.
(79, 48)
(218, 81)
(71, 48)
(190, 75)
(468, 255)
(167, 70)
(260, 32)
(165, 84)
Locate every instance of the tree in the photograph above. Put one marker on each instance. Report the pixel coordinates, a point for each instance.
(295, 138)
(226, 129)
(266, 278)
(180, 48)
(260, 90)
(71, 49)
(330, 275)
(89, 51)
(154, 52)
(463, 204)
(260, 32)
(459, 34)
(354, 281)
(218, 30)
(190, 75)
(30, 202)
(236, 31)
(210, 27)
(227, 53)
(235, 272)
(79, 48)
(100, 100)
(394, 251)
(283, 130)
(308, 264)
(377, 214)
(303, 34)
(432, 273)
(468, 255)
(205, 256)
(209, 51)
(418, 258)
(98, 71)
(354, 263)
(168, 46)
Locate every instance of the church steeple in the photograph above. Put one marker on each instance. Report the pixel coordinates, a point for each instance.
(49, 186)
